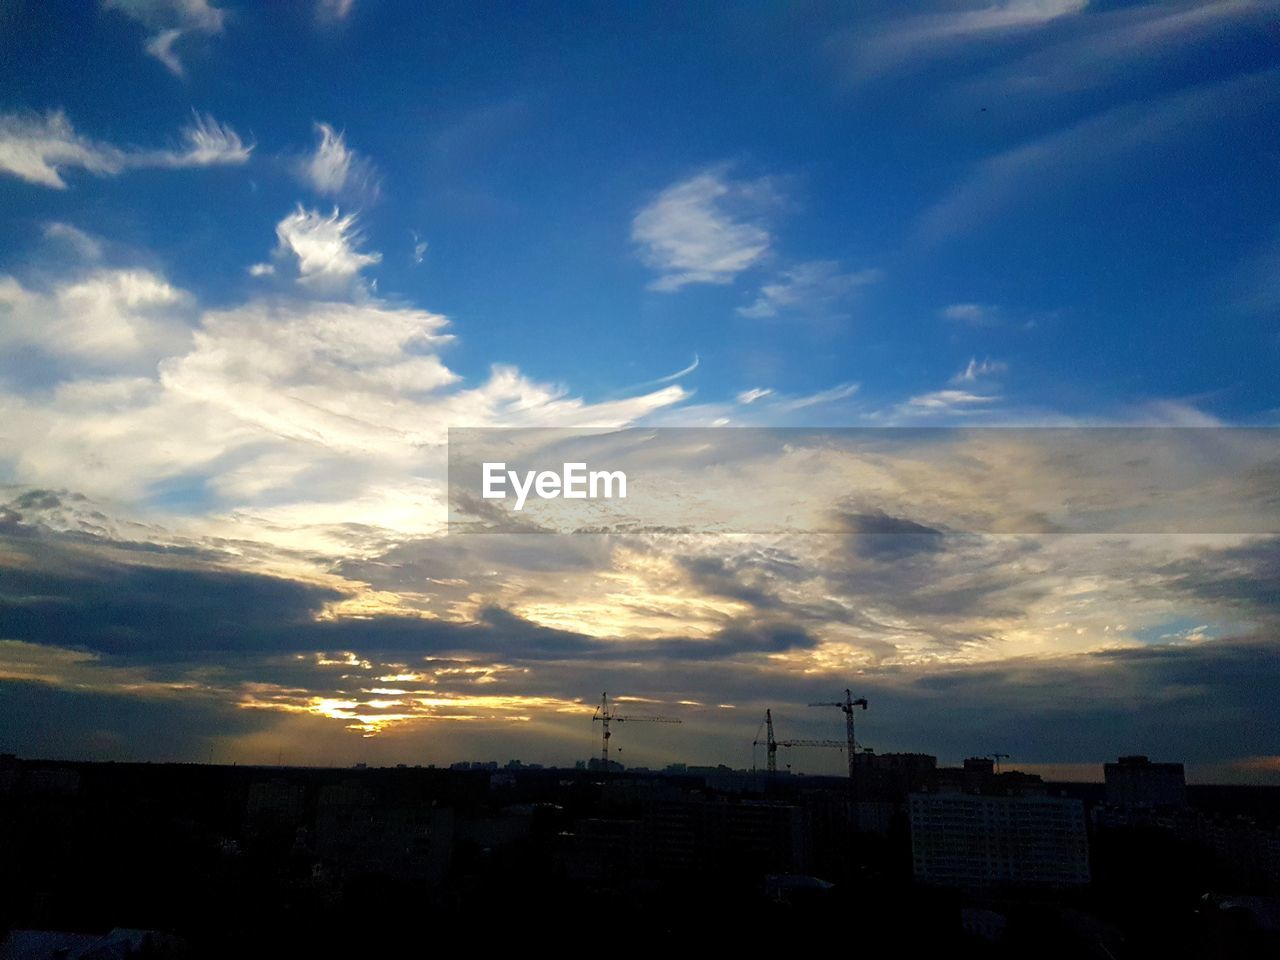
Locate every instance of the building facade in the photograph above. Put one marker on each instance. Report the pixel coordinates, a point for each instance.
(977, 841)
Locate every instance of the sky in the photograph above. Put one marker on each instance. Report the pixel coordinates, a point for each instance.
(256, 261)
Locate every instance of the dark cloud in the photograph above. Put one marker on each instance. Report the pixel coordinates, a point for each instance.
(42, 720)
(752, 578)
(80, 598)
(169, 618)
(879, 536)
(1245, 576)
(145, 613)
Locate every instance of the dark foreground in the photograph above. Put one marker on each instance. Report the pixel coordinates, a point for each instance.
(236, 861)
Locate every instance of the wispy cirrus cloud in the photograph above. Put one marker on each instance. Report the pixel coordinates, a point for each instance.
(334, 11)
(87, 246)
(1107, 44)
(333, 169)
(977, 370)
(171, 21)
(877, 48)
(41, 148)
(1055, 160)
(974, 314)
(936, 405)
(814, 288)
(706, 229)
(751, 396)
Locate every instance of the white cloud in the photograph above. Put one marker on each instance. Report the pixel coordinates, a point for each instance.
(261, 269)
(754, 394)
(39, 149)
(909, 40)
(317, 426)
(107, 319)
(700, 230)
(1114, 42)
(1054, 161)
(331, 11)
(84, 244)
(205, 143)
(172, 20)
(161, 47)
(945, 403)
(334, 169)
(841, 392)
(975, 371)
(658, 381)
(976, 314)
(325, 247)
(812, 287)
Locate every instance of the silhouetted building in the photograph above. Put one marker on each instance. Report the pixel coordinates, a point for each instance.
(706, 836)
(119, 944)
(980, 766)
(1137, 782)
(893, 775)
(691, 836)
(976, 840)
(366, 834)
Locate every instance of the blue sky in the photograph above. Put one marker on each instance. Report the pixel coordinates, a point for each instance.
(254, 260)
(1115, 220)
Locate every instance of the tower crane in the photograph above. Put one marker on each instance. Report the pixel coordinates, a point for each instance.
(846, 706)
(772, 745)
(607, 715)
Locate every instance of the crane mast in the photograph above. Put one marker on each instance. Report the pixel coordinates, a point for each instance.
(846, 706)
(607, 714)
(772, 744)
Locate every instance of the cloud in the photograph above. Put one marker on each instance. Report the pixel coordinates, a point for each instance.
(87, 246)
(703, 230)
(334, 11)
(309, 424)
(522, 626)
(666, 378)
(1054, 161)
(831, 395)
(39, 149)
(336, 170)
(878, 48)
(1107, 44)
(945, 403)
(975, 371)
(105, 319)
(324, 247)
(807, 288)
(206, 143)
(160, 46)
(752, 395)
(172, 20)
(1245, 575)
(975, 314)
